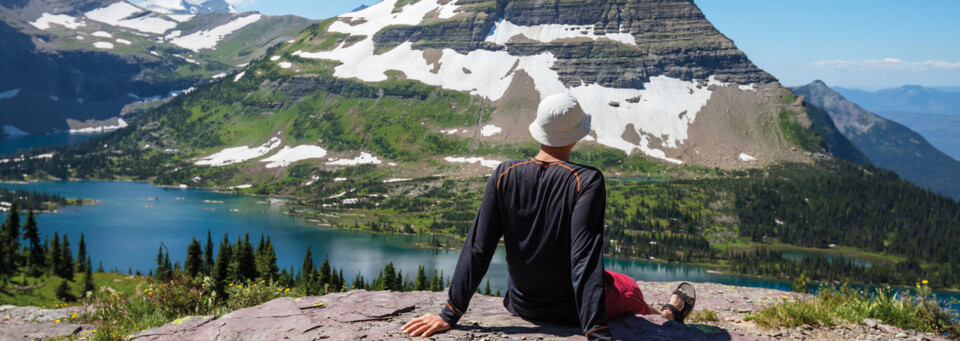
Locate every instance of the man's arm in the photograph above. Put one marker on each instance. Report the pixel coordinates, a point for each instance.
(474, 260)
(477, 252)
(586, 259)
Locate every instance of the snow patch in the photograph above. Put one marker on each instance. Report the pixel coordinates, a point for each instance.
(9, 94)
(124, 14)
(339, 179)
(103, 45)
(124, 41)
(209, 39)
(238, 76)
(240, 186)
(387, 181)
(274, 58)
(12, 131)
(364, 159)
(745, 157)
(288, 155)
(751, 87)
(120, 125)
(101, 34)
(448, 132)
(482, 161)
(285, 65)
(191, 61)
(219, 75)
(181, 17)
(504, 30)
(240, 154)
(490, 130)
(45, 19)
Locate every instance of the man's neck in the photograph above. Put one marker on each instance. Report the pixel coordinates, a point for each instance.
(554, 154)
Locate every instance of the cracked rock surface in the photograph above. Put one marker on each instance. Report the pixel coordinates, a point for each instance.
(32, 323)
(378, 315)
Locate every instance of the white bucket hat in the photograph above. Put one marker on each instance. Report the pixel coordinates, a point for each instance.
(560, 121)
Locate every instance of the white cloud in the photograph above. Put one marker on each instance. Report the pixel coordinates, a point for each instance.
(892, 64)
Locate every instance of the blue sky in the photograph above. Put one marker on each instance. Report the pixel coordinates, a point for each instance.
(868, 44)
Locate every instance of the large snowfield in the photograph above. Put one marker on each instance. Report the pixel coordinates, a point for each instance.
(45, 19)
(659, 110)
(124, 14)
(209, 39)
(287, 156)
(240, 154)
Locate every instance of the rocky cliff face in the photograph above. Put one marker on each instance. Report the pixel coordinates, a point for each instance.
(672, 38)
(886, 143)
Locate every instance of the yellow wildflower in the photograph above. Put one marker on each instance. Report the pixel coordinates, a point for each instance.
(149, 293)
(73, 316)
(918, 285)
(785, 298)
(925, 282)
(231, 284)
(248, 289)
(262, 281)
(56, 321)
(93, 331)
(286, 290)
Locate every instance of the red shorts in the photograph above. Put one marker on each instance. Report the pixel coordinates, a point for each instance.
(623, 295)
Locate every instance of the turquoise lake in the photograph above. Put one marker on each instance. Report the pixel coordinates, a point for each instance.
(131, 220)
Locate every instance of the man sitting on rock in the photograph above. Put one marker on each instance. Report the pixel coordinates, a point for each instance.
(549, 213)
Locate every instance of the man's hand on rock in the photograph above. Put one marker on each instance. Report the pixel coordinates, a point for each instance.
(426, 325)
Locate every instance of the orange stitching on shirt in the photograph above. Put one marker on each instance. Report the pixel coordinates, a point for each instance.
(596, 329)
(453, 310)
(574, 173)
(508, 169)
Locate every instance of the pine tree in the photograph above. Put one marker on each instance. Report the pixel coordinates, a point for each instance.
(208, 256)
(31, 233)
(421, 281)
(222, 267)
(325, 273)
(193, 265)
(63, 291)
(486, 290)
(87, 278)
(81, 253)
(161, 265)
(244, 261)
(435, 282)
(390, 279)
(267, 261)
(10, 243)
(100, 267)
(66, 259)
(307, 274)
(358, 282)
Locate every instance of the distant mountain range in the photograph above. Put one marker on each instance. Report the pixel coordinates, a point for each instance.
(909, 98)
(886, 143)
(934, 112)
(82, 64)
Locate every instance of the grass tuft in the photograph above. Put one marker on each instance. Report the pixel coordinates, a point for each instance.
(920, 311)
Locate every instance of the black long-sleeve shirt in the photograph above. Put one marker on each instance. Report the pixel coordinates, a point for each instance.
(550, 215)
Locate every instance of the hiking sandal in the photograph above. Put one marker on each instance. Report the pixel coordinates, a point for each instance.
(688, 295)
